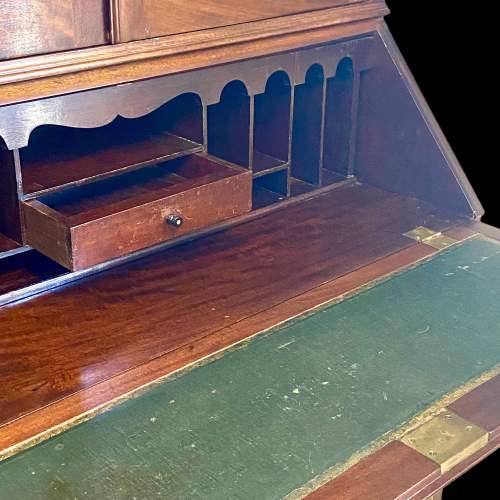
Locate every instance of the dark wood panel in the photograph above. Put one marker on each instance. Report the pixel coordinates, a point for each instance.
(396, 129)
(482, 406)
(29, 27)
(131, 314)
(10, 219)
(394, 471)
(137, 20)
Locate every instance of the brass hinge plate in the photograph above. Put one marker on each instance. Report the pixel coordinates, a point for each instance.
(427, 236)
(447, 439)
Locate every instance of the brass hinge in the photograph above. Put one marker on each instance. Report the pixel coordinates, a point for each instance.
(447, 439)
(427, 236)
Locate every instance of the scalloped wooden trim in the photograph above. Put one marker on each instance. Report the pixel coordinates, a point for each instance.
(99, 107)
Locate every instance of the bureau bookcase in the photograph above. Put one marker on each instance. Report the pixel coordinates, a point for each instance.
(176, 178)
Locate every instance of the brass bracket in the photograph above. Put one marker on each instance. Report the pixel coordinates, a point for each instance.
(447, 439)
(434, 239)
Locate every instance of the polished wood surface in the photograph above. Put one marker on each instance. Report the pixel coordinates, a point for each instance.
(389, 472)
(348, 319)
(163, 300)
(29, 27)
(140, 19)
(99, 107)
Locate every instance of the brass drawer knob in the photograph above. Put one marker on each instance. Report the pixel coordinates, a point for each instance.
(175, 220)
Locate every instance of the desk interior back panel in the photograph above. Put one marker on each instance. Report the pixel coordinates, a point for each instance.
(285, 407)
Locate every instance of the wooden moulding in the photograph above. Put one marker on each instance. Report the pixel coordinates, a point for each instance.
(99, 107)
(42, 76)
(80, 228)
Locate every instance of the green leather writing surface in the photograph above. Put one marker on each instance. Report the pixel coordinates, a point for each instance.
(279, 410)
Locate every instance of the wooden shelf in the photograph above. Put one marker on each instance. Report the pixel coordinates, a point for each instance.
(272, 113)
(264, 163)
(263, 197)
(298, 187)
(43, 175)
(329, 177)
(228, 124)
(269, 189)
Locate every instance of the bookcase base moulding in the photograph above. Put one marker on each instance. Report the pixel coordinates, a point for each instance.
(165, 195)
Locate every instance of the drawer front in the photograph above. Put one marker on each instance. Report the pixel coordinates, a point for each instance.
(30, 27)
(138, 20)
(119, 234)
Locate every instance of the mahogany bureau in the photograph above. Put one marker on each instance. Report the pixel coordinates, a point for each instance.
(177, 178)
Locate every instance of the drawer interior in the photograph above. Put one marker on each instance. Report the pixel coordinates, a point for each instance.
(83, 204)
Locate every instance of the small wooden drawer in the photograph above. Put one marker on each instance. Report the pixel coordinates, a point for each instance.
(85, 226)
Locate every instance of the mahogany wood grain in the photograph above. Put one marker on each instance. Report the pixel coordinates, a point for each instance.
(137, 20)
(29, 27)
(486, 229)
(482, 407)
(394, 472)
(186, 292)
(392, 108)
(80, 405)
